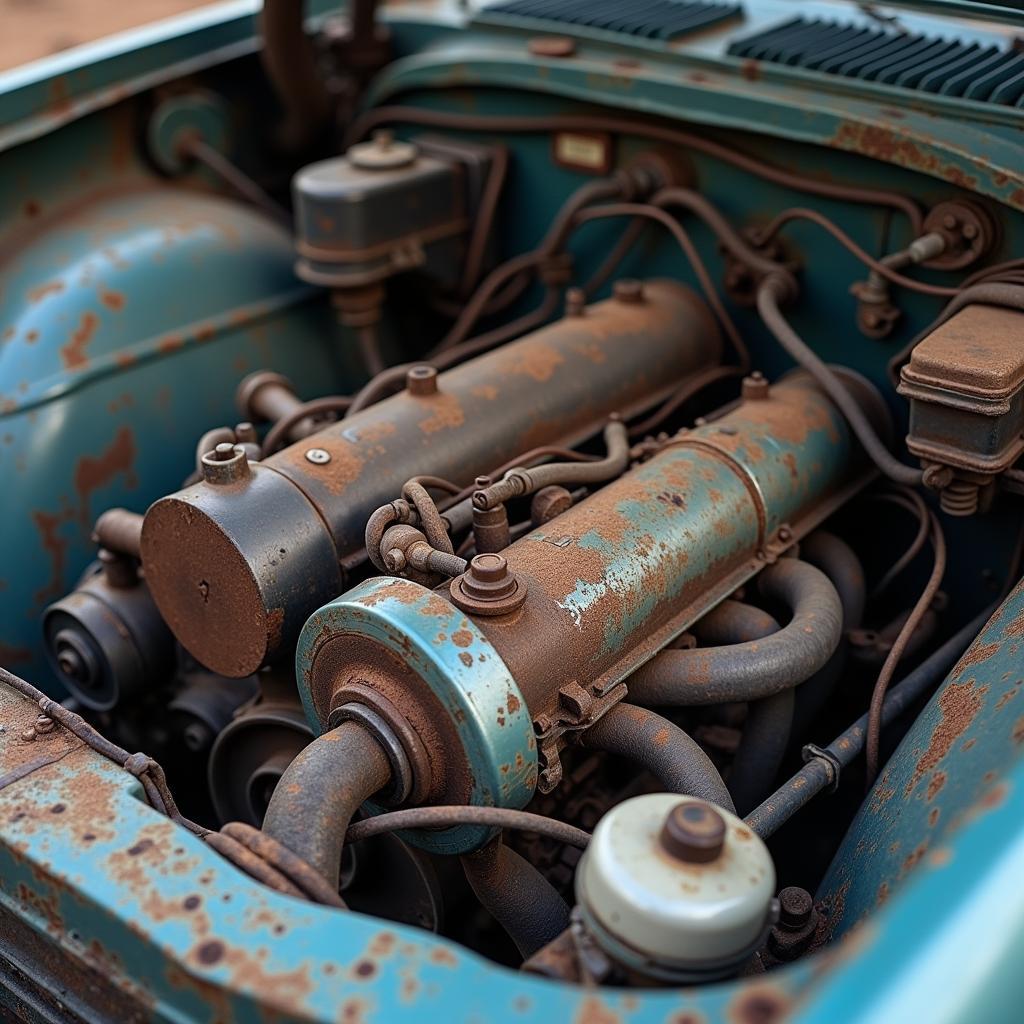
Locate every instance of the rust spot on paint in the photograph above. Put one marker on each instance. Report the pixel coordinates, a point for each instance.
(594, 1011)
(1018, 730)
(893, 147)
(55, 546)
(9, 655)
(912, 858)
(93, 473)
(45, 290)
(959, 704)
(761, 1004)
(112, 300)
(210, 953)
(73, 353)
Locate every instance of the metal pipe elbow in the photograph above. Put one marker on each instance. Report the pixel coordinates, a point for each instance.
(319, 792)
(660, 746)
(517, 896)
(759, 668)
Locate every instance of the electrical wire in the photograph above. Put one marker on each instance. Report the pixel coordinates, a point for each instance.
(548, 125)
(682, 238)
(912, 502)
(878, 266)
(446, 816)
(896, 652)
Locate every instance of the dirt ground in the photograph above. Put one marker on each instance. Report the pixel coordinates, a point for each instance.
(30, 29)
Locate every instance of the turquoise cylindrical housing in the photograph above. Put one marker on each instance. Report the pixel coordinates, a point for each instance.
(608, 584)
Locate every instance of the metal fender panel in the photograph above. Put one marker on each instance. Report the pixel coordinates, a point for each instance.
(127, 316)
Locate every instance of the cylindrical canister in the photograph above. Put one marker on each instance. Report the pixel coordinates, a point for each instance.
(237, 563)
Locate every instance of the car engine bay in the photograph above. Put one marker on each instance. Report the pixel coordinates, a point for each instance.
(510, 512)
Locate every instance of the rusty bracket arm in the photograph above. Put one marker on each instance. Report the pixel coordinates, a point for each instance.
(578, 709)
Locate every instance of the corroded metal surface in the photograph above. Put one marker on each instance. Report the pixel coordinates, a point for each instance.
(165, 929)
(606, 585)
(102, 364)
(950, 767)
(258, 557)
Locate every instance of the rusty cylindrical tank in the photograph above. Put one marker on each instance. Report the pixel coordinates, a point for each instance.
(489, 695)
(237, 562)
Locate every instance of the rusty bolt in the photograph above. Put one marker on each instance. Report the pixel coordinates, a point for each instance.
(44, 724)
(785, 534)
(548, 503)
(949, 221)
(755, 387)
(795, 907)
(936, 476)
(575, 302)
(318, 456)
(629, 290)
(226, 464)
(693, 832)
(28, 735)
(394, 560)
(488, 587)
(421, 381)
(245, 433)
(488, 570)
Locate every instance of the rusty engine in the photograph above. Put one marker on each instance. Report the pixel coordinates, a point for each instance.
(590, 473)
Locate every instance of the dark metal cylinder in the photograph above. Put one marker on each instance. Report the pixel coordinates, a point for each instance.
(236, 568)
(107, 642)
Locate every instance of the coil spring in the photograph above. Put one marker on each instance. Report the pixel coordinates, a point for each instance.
(959, 498)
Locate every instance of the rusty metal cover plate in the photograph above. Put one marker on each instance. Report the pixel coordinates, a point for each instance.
(979, 351)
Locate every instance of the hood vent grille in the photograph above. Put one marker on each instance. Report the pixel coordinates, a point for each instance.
(972, 71)
(645, 19)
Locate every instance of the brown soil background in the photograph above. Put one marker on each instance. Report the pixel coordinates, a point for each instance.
(30, 29)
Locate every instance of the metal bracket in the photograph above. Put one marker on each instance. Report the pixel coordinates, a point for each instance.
(578, 709)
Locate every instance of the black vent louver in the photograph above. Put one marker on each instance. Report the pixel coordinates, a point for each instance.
(645, 19)
(989, 74)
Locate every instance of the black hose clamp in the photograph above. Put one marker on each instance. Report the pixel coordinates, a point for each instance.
(812, 752)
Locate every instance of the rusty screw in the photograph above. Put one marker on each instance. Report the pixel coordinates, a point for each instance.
(693, 832)
(318, 456)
